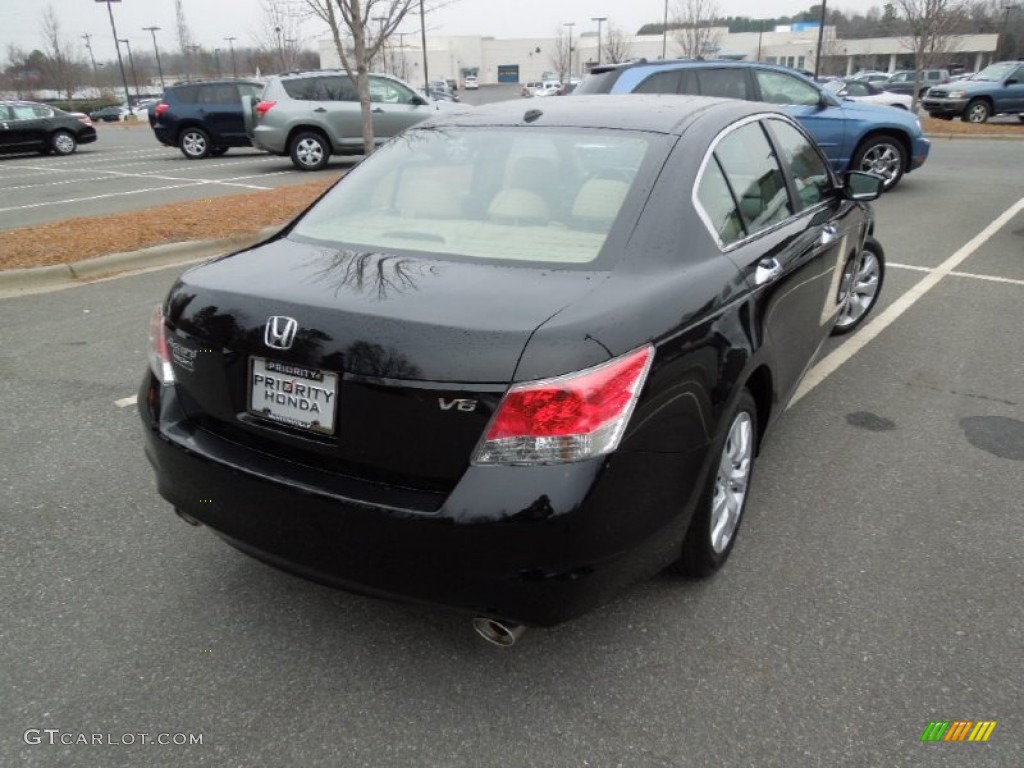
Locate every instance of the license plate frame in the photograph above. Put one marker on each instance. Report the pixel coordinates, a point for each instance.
(293, 395)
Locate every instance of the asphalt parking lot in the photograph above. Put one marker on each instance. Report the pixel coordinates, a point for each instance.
(127, 169)
(875, 587)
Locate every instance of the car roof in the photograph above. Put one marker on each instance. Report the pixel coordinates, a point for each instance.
(699, 64)
(668, 114)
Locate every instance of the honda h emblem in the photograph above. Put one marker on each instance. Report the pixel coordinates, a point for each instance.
(280, 332)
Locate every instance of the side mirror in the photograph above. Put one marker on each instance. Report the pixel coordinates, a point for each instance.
(419, 101)
(862, 187)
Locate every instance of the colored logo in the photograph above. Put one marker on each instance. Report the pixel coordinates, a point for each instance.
(958, 730)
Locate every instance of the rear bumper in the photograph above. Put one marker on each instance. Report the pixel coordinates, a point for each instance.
(535, 545)
(270, 140)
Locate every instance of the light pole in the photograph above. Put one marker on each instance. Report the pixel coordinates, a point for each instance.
(1005, 7)
(760, 34)
(216, 60)
(156, 50)
(231, 45)
(821, 35)
(120, 61)
(570, 25)
(280, 49)
(380, 36)
(88, 44)
(131, 63)
(664, 33)
(600, 20)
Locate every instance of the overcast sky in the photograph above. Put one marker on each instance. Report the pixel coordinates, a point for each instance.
(213, 20)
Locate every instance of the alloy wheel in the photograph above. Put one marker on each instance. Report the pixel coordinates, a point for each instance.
(732, 481)
(309, 152)
(194, 144)
(859, 288)
(882, 160)
(63, 144)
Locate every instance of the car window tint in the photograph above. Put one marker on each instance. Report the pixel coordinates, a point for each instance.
(187, 94)
(719, 205)
(724, 83)
(660, 82)
(222, 93)
(250, 89)
(42, 111)
(754, 174)
(810, 175)
(5, 113)
(780, 88)
(300, 88)
(23, 112)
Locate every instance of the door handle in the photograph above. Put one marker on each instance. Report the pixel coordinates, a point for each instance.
(767, 270)
(829, 233)
(319, 109)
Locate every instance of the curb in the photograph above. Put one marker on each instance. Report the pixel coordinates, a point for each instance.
(19, 282)
(979, 137)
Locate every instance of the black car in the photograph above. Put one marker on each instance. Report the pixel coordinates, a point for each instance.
(109, 114)
(517, 359)
(203, 118)
(29, 127)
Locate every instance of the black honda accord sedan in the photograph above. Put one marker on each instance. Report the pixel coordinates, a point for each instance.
(515, 360)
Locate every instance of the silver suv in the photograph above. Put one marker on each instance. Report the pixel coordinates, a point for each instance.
(312, 115)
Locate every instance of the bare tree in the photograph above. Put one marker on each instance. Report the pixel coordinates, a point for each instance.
(561, 55)
(931, 30)
(61, 68)
(185, 43)
(616, 46)
(356, 20)
(280, 34)
(694, 31)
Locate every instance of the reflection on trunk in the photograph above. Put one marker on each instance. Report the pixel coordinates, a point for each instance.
(371, 273)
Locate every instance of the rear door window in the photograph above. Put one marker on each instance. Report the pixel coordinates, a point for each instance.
(720, 210)
(660, 82)
(220, 93)
(724, 83)
(187, 94)
(755, 176)
(811, 176)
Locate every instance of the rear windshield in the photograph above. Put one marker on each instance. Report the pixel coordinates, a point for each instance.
(599, 83)
(537, 195)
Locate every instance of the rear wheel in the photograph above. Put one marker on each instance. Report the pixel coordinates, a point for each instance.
(883, 156)
(194, 143)
(978, 111)
(309, 151)
(63, 143)
(861, 286)
(719, 512)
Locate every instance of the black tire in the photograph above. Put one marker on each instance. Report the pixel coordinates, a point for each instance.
(194, 143)
(63, 143)
(863, 277)
(218, 151)
(978, 111)
(884, 156)
(701, 555)
(1021, 118)
(309, 151)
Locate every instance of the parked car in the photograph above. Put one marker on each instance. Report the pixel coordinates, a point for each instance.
(510, 366)
(470, 83)
(530, 88)
(110, 114)
(312, 115)
(203, 118)
(996, 90)
(875, 78)
(26, 126)
(438, 90)
(853, 136)
(904, 80)
(550, 88)
(864, 92)
(143, 107)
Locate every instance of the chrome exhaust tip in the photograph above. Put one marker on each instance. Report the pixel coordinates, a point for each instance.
(187, 517)
(501, 633)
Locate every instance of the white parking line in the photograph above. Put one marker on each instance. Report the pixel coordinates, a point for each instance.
(124, 402)
(131, 192)
(971, 275)
(832, 362)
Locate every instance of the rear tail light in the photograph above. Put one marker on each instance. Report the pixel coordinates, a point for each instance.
(263, 107)
(159, 352)
(569, 418)
(160, 109)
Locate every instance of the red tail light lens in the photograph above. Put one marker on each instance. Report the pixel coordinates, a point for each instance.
(263, 107)
(160, 109)
(159, 352)
(570, 418)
